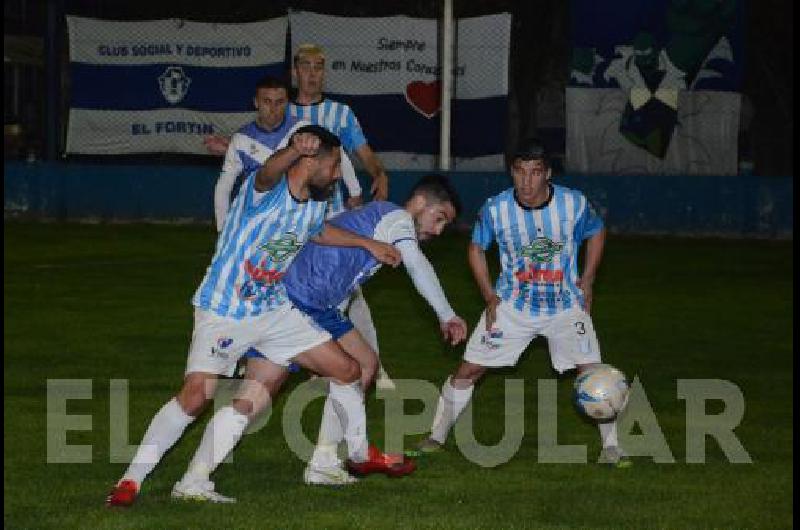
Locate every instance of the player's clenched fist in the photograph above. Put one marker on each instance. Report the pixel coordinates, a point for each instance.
(306, 144)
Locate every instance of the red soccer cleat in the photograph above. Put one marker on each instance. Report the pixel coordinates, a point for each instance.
(379, 462)
(123, 494)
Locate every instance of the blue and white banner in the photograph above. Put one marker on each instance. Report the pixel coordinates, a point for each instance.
(161, 85)
(387, 69)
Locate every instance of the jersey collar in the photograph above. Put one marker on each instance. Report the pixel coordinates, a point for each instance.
(542, 206)
(296, 104)
(277, 127)
(289, 189)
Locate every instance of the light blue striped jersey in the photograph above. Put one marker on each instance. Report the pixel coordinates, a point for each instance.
(340, 120)
(252, 145)
(538, 247)
(259, 240)
(323, 276)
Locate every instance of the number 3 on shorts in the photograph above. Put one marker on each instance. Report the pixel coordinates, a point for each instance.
(580, 328)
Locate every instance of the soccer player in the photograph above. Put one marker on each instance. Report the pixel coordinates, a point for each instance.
(319, 281)
(308, 69)
(322, 279)
(538, 227)
(240, 304)
(254, 142)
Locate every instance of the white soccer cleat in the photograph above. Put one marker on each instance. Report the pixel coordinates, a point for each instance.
(327, 476)
(201, 491)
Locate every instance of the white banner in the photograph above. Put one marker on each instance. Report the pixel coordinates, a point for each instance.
(703, 142)
(160, 85)
(387, 69)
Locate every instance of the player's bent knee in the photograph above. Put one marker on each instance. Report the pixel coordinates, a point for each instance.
(467, 375)
(369, 367)
(197, 391)
(245, 406)
(252, 397)
(192, 402)
(351, 372)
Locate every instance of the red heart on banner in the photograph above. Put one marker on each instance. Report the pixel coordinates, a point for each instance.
(425, 98)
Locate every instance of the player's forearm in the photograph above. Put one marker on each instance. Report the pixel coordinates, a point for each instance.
(480, 271)
(222, 197)
(594, 254)
(371, 163)
(425, 280)
(337, 237)
(275, 166)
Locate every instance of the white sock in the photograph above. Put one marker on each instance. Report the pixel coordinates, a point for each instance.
(348, 402)
(330, 434)
(222, 434)
(608, 433)
(451, 404)
(165, 429)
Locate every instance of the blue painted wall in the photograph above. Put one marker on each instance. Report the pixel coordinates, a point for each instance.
(687, 205)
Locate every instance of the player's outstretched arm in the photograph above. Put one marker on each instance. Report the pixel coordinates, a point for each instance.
(231, 168)
(594, 254)
(428, 286)
(480, 271)
(383, 252)
(380, 180)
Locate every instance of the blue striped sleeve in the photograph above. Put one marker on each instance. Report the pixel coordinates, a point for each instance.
(351, 135)
(483, 232)
(588, 223)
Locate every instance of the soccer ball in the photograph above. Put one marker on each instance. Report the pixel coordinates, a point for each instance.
(601, 392)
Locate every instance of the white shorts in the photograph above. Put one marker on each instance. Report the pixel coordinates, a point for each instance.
(570, 336)
(219, 342)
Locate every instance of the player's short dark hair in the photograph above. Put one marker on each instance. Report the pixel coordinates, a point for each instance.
(270, 81)
(437, 188)
(327, 140)
(531, 149)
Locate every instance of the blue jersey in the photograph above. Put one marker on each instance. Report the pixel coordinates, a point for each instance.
(538, 247)
(341, 121)
(261, 236)
(251, 145)
(324, 276)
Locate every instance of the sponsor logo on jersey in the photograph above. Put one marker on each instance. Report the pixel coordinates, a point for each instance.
(541, 250)
(260, 273)
(280, 249)
(535, 275)
(491, 339)
(223, 343)
(261, 285)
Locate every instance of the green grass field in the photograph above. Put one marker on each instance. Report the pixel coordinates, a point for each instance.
(112, 302)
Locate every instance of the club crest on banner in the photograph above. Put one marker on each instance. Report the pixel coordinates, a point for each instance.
(174, 84)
